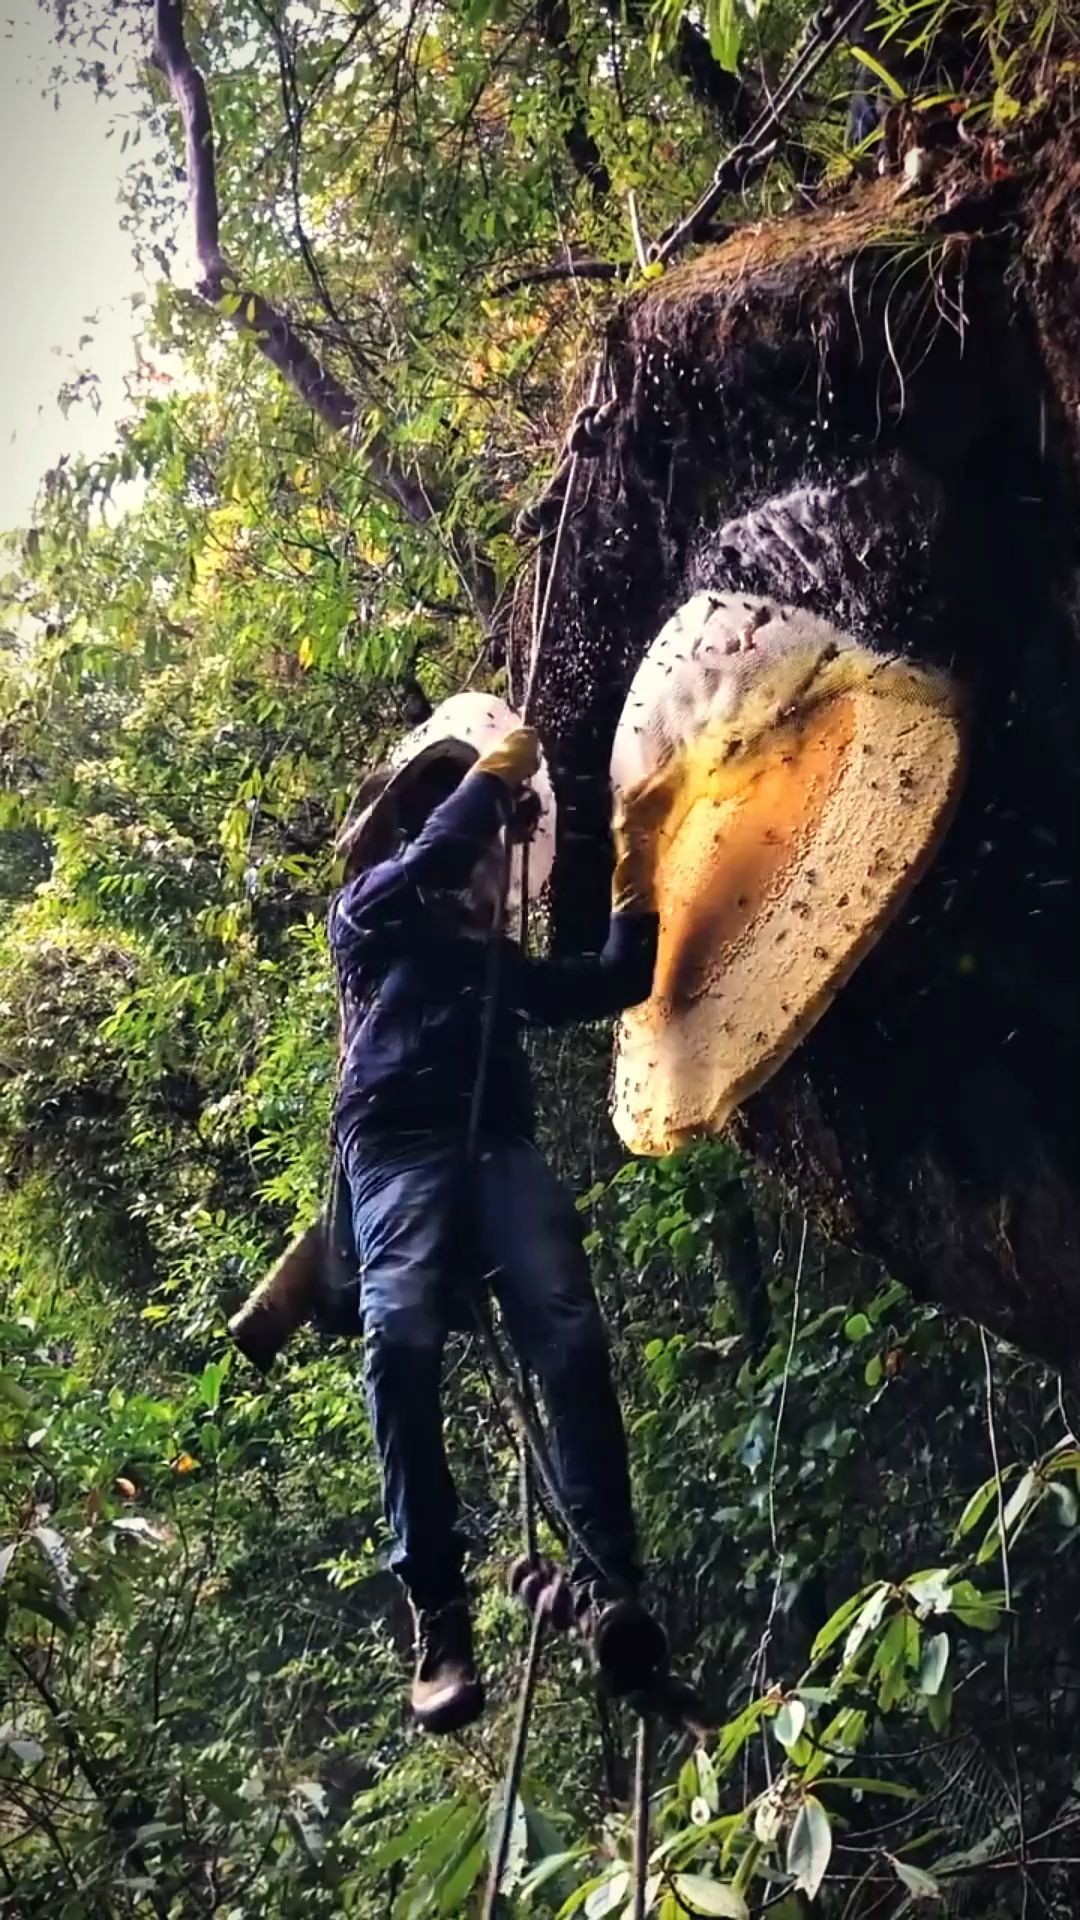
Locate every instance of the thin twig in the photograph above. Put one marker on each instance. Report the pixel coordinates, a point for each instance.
(1018, 1786)
(560, 270)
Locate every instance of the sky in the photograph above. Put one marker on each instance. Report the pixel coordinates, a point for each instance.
(65, 258)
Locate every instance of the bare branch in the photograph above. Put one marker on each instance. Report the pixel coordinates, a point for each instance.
(270, 329)
(560, 270)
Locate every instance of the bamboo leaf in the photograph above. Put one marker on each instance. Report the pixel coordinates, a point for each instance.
(866, 59)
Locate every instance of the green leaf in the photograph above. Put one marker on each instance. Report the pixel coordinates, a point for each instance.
(809, 1847)
(789, 1723)
(858, 1327)
(683, 1244)
(1030, 1488)
(519, 1839)
(610, 1894)
(860, 1783)
(210, 1383)
(725, 33)
(453, 1890)
(652, 1887)
(414, 1836)
(1064, 1460)
(707, 1781)
(931, 1592)
(974, 1609)
(935, 1659)
(890, 1296)
(769, 1816)
(939, 1705)
(702, 1895)
(897, 1654)
(874, 1372)
(577, 1899)
(548, 1869)
(868, 1621)
(1065, 1500)
(837, 1623)
(866, 59)
(976, 1507)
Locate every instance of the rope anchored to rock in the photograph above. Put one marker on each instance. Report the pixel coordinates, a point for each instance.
(538, 1581)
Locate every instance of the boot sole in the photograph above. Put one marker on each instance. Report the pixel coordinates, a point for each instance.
(451, 1715)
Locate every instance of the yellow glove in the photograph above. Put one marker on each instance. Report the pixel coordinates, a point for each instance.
(638, 830)
(514, 760)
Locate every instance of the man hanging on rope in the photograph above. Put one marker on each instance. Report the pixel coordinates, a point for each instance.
(411, 932)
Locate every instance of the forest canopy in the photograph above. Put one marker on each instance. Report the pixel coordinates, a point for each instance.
(422, 225)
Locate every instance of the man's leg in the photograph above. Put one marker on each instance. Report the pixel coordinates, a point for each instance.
(403, 1208)
(529, 1242)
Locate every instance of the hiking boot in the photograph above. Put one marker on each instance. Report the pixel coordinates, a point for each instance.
(629, 1646)
(447, 1692)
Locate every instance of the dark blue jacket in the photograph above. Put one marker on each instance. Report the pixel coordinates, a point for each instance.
(413, 984)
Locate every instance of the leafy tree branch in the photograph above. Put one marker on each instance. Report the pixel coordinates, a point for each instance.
(257, 319)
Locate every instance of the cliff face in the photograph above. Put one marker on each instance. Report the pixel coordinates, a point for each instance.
(871, 411)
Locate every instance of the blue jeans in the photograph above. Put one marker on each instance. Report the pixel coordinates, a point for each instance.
(427, 1227)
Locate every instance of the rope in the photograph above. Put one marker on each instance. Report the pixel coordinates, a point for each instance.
(535, 1460)
(516, 1766)
(640, 1856)
(533, 1439)
(528, 1426)
(529, 1538)
(824, 35)
(540, 621)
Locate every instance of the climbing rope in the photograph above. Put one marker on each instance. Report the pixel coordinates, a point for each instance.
(830, 25)
(639, 1859)
(584, 439)
(537, 1582)
(516, 1764)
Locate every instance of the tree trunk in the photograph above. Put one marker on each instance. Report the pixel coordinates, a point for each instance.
(927, 347)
